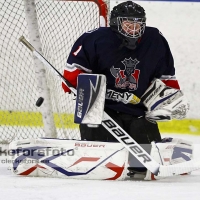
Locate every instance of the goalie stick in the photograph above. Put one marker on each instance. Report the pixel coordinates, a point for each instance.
(122, 136)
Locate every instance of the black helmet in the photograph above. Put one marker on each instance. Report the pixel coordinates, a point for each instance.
(128, 19)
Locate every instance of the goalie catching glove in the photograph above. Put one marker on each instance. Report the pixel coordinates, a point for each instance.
(164, 103)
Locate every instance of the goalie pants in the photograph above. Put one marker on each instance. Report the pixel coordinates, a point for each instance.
(140, 129)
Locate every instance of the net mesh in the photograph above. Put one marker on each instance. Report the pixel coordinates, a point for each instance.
(60, 24)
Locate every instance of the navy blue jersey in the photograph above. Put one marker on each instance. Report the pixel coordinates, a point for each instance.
(126, 70)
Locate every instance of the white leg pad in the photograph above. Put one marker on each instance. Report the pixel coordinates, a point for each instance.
(69, 159)
(171, 151)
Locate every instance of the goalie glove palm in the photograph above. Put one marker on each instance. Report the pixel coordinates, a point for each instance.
(159, 115)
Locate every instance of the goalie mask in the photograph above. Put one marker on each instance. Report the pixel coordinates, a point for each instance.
(129, 20)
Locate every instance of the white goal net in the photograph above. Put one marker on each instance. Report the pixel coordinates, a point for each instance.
(52, 27)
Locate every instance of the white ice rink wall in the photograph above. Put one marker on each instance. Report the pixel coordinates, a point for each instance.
(179, 21)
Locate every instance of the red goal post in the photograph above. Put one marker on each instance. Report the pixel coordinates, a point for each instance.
(104, 7)
(23, 79)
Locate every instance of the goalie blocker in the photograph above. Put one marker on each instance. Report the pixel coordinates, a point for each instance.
(91, 90)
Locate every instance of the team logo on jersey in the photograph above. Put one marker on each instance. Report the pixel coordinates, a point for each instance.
(127, 77)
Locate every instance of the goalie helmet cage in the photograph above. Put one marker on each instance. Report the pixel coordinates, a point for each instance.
(52, 27)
